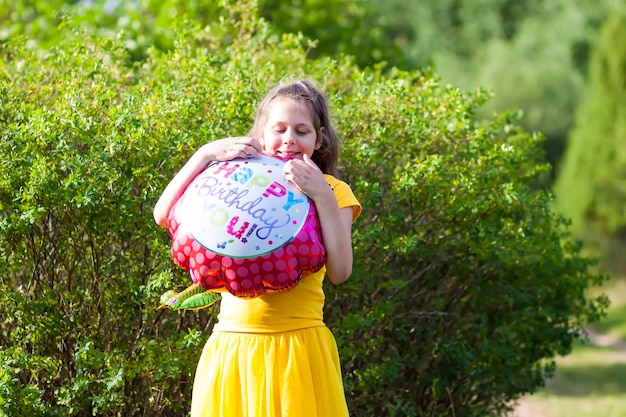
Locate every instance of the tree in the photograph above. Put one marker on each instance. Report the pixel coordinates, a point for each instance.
(590, 186)
(465, 286)
(533, 55)
(370, 31)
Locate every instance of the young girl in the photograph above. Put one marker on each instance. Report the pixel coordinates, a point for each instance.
(273, 356)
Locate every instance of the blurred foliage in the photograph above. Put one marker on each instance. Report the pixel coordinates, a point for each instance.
(141, 24)
(359, 28)
(370, 31)
(532, 53)
(592, 184)
(465, 284)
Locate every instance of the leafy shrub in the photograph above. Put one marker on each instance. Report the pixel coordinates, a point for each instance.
(83, 262)
(465, 284)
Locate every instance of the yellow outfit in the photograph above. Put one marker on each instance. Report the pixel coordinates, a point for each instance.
(273, 356)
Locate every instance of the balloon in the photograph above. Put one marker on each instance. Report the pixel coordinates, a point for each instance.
(238, 225)
(193, 297)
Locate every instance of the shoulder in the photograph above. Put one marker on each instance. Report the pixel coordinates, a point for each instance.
(345, 196)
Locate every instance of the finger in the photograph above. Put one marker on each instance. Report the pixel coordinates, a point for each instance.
(295, 164)
(291, 179)
(252, 151)
(289, 166)
(249, 147)
(256, 145)
(307, 159)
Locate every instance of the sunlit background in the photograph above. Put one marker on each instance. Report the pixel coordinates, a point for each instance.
(561, 62)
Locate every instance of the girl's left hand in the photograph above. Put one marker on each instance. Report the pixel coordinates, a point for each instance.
(306, 176)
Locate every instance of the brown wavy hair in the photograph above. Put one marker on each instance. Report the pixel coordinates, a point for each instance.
(303, 91)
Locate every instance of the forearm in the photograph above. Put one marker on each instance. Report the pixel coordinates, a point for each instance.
(198, 161)
(219, 150)
(336, 225)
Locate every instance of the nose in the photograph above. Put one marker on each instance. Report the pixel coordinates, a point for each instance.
(289, 137)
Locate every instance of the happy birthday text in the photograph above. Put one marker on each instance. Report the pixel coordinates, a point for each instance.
(236, 203)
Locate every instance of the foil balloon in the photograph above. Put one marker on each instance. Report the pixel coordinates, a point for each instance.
(239, 226)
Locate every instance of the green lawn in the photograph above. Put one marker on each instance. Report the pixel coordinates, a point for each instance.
(591, 381)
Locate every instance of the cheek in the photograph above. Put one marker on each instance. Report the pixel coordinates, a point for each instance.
(319, 139)
(269, 143)
(265, 139)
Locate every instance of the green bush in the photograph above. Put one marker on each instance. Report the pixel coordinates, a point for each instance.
(465, 284)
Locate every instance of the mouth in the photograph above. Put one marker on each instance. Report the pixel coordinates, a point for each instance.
(286, 154)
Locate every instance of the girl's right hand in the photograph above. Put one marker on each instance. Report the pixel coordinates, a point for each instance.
(230, 148)
(219, 150)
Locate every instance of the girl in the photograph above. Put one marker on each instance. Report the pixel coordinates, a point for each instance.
(273, 356)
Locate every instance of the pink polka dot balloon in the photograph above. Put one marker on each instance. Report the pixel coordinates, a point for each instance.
(240, 226)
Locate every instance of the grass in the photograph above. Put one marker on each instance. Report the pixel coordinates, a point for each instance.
(591, 381)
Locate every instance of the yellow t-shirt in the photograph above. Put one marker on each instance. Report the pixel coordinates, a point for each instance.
(299, 308)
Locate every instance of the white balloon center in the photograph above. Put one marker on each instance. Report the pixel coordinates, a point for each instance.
(243, 208)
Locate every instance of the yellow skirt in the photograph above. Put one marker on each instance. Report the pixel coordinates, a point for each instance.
(290, 374)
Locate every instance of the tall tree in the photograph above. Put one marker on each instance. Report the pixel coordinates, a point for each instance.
(591, 186)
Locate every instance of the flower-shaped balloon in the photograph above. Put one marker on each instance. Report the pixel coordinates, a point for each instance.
(240, 226)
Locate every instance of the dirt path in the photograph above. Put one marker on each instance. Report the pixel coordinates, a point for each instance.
(606, 340)
(527, 408)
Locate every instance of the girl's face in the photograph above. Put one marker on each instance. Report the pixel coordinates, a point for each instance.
(289, 130)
